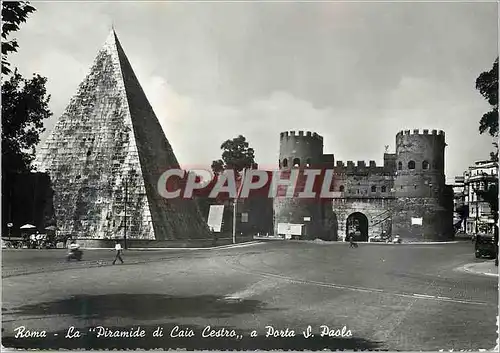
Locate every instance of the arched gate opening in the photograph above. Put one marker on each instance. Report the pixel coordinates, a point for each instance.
(357, 225)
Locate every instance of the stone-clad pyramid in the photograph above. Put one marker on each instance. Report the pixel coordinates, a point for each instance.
(108, 141)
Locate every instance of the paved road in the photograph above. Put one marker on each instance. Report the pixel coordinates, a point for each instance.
(396, 297)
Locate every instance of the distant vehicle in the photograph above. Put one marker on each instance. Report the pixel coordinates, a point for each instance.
(485, 246)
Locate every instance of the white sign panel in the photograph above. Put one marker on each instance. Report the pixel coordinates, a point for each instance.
(244, 217)
(307, 219)
(215, 217)
(417, 221)
(290, 229)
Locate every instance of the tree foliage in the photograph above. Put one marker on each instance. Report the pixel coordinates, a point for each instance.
(25, 106)
(13, 14)
(237, 155)
(487, 85)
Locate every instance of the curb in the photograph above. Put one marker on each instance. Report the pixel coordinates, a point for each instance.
(375, 243)
(228, 246)
(466, 268)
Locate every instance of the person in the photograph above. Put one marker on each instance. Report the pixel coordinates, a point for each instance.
(73, 246)
(352, 244)
(118, 249)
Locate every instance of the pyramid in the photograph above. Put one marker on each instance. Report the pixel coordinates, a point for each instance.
(108, 147)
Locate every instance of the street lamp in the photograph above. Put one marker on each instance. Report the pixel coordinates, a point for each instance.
(235, 201)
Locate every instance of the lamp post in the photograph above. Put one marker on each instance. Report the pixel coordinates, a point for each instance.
(235, 204)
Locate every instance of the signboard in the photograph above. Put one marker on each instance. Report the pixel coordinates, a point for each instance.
(290, 229)
(307, 219)
(244, 217)
(215, 214)
(417, 221)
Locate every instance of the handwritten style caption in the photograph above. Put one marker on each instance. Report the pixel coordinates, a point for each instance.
(185, 332)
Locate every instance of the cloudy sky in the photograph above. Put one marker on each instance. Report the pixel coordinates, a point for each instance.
(356, 73)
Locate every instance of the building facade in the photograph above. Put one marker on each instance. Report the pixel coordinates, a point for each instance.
(477, 178)
(407, 196)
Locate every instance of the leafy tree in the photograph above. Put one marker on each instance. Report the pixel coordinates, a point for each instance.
(13, 14)
(25, 106)
(487, 85)
(237, 155)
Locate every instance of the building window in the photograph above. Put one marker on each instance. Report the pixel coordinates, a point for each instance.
(400, 165)
(383, 189)
(374, 188)
(411, 165)
(341, 188)
(296, 162)
(285, 163)
(425, 165)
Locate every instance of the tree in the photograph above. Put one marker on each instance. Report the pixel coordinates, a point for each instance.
(236, 155)
(13, 14)
(25, 106)
(487, 85)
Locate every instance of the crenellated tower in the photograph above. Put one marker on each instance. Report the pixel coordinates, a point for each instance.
(299, 151)
(419, 187)
(419, 163)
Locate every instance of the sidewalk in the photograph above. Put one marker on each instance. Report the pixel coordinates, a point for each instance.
(486, 268)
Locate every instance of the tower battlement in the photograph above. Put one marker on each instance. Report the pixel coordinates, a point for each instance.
(301, 134)
(417, 132)
(363, 167)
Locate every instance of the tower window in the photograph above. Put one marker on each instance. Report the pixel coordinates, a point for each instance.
(383, 189)
(374, 188)
(285, 163)
(400, 165)
(425, 165)
(296, 162)
(341, 188)
(411, 165)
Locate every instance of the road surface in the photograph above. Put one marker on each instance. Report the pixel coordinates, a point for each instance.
(396, 297)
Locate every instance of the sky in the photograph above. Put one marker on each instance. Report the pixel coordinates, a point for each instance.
(355, 73)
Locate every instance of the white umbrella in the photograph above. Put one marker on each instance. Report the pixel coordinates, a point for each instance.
(28, 226)
(51, 228)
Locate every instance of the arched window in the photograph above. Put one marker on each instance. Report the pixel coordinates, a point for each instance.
(411, 165)
(384, 188)
(296, 162)
(341, 188)
(374, 188)
(285, 163)
(425, 165)
(400, 165)
(308, 162)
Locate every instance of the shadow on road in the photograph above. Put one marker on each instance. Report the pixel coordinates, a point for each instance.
(56, 340)
(141, 307)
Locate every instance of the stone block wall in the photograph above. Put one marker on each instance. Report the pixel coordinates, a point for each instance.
(375, 209)
(437, 220)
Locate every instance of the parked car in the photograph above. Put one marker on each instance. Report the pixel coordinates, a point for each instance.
(485, 246)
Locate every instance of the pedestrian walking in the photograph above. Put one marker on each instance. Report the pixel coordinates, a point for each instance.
(118, 249)
(352, 243)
